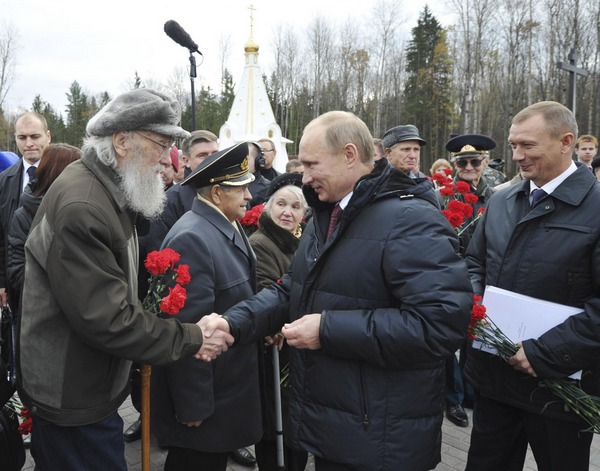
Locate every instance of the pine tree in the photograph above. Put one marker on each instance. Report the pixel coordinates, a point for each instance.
(427, 91)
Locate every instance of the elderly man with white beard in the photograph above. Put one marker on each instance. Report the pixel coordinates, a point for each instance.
(82, 323)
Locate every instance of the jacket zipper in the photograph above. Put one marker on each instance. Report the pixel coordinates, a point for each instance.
(363, 397)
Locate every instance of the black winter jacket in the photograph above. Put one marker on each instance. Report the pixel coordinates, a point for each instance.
(551, 252)
(17, 235)
(395, 300)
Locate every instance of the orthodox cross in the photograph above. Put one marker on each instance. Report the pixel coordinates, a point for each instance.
(574, 71)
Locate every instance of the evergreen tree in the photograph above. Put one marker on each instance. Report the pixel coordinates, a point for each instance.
(79, 112)
(427, 92)
(56, 124)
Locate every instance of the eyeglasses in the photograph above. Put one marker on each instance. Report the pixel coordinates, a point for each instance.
(267, 150)
(462, 163)
(164, 147)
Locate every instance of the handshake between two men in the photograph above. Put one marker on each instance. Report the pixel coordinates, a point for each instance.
(302, 333)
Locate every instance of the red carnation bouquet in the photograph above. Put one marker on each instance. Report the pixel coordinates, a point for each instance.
(483, 329)
(166, 277)
(250, 220)
(458, 201)
(25, 422)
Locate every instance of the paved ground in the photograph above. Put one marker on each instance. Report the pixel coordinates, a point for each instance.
(455, 444)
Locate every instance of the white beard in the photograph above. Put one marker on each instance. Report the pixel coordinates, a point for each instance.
(142, 186)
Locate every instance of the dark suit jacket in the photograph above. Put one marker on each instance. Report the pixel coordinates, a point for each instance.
(10, 194)
(223, 393)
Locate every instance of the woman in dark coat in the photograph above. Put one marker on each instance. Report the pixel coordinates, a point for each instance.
(54, 160)
(274, 243)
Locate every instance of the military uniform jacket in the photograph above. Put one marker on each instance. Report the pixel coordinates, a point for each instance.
(551, 252)
(224, 394)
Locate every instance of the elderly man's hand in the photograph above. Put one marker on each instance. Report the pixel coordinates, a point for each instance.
(195, 423)
(216, 337)
(520, 362)
(304, 332)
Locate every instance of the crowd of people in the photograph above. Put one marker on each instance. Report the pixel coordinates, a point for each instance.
(354, 280)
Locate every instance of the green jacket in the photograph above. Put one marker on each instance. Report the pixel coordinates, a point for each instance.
(81, 322)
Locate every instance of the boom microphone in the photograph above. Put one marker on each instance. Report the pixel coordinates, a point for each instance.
(180, 36)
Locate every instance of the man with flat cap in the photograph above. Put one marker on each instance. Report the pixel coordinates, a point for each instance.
(81, 322)
(402, 147)
(201, 412)
(469, 155)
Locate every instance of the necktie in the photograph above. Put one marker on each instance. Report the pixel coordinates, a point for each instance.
(333, 219)
(31, 172)
(536, 196)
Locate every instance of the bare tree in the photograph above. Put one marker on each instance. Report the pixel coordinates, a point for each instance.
(320, 46)
(385, 21)
(8, 53)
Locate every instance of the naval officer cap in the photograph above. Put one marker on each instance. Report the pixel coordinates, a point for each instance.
(469, 145)
(227, 167)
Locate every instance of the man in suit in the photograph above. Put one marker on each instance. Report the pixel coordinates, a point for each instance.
(546, 247)
(32, 137)
(203, 412)
(586, 149)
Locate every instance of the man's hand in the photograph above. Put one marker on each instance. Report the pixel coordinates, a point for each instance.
(213, 322)
(216, 338)
(304, 332)
(3, 297)
(195, 423)
(520, 362)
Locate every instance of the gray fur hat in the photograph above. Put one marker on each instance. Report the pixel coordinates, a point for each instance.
(137, 110)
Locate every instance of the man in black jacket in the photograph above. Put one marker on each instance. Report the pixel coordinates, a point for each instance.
(32, 137)
(375, 301)
(547, 249)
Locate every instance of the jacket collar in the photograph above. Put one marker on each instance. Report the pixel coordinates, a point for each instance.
(107, 177)
(220, 222)
(572, 191)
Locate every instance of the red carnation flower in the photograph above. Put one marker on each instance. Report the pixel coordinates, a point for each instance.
(471, 198)
(174, 301)
(159, 261)
(455, 219)
(462, 187)
(446, 191)
(182, 274)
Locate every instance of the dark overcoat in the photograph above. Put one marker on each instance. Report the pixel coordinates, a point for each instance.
(551, 252)
(224, 394)
(10, 193)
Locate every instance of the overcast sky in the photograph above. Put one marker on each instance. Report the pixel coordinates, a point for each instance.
(102, 44)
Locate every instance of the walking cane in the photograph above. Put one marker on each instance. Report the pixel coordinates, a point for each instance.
(278, 416)
(145, 372)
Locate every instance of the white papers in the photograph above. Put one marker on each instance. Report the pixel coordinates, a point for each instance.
(522, 317)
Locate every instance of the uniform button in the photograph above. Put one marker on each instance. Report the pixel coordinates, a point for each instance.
(567, 357)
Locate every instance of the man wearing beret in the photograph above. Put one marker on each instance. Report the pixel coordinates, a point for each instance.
(81, 322)
(402, 147)
(539, 238)
(200, 411)
(369, 338)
